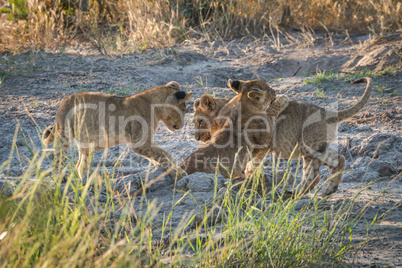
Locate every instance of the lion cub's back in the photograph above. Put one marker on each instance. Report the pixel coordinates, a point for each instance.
(90, 108)
(289, 127)
(91, 101)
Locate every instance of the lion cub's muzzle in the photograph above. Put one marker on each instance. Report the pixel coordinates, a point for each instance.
(200, 135)
(175, 126)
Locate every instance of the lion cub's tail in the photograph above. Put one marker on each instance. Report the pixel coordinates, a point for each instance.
(48, 135)
(345, 114)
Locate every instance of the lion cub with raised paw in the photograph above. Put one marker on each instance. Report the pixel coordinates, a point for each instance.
(98, 121)
(240, 133)
(304, 125)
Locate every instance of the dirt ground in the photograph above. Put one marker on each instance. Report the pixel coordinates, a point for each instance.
(34, 84)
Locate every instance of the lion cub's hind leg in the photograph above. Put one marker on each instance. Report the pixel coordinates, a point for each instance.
(311, 175)
(336, 163)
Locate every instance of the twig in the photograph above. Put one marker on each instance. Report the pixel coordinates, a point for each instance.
(298, 69)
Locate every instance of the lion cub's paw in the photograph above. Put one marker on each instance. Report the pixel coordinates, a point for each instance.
(251, 167)
(330, 190)
(280, 104)
(248, 172)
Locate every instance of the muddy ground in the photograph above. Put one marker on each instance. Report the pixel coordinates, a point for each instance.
(33, 84)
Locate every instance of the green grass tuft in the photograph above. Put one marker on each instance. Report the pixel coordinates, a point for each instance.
(389, 70)
(319, 93)
(322, 77)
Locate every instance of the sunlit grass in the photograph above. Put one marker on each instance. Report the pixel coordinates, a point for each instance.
(327, 79)
(389, 70)
(322, 77)
(48, 222)
(127, 26)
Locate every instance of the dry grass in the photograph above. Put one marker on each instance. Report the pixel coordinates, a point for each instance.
(140, 24)
(46, 222)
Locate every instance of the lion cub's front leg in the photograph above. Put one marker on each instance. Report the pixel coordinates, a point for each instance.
(159, 156)
(280, 104)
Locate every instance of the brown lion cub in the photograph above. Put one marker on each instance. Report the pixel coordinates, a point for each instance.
(98, 121)
(240, 132)
(311, 129)
(205, 112)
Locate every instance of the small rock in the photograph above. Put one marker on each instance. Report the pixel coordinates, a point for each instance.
(363, 161)
(222, 191)
(384, 168)
(364, 129)
(182, 184)
(360, 175)
(19, 142)
(377, 144)
(200, 182)
(280, 176)
(342, 127)
(156, 180)
(301, 204)
(152, 180)
(213, 218)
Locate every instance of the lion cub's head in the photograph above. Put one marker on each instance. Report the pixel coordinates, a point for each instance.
(206, 110)
(174, 107)
(253, 93)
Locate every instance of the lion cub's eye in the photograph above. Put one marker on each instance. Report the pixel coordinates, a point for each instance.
(199, 123)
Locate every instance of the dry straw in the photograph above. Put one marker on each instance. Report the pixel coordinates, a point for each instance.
(140, 24)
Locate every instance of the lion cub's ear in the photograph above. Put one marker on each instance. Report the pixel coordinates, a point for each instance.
(197, 103)
(183, 96)
(208, 103)
(235, 85)
(256, 95)
(188, 96)
(173, 84)
(178, 97)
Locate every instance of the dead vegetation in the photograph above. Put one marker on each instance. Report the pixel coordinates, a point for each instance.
(125, 26)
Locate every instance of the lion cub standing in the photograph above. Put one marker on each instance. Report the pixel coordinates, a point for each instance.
(304, 127)
(254, 109)
(98, 121)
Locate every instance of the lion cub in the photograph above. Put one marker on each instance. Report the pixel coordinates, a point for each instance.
(240, 130)
(306, 126)
(98, 121)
